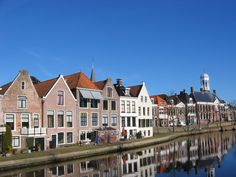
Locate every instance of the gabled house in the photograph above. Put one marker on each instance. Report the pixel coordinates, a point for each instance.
(144, 104)
(110, 104)
(59, 112)
(89, 98)
(160, 112)
(21, 109)
(128, 111)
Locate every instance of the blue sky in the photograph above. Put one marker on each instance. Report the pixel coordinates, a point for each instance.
(166, 43)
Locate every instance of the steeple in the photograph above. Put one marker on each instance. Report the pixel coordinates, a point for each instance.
(205, 82)
(92, 77)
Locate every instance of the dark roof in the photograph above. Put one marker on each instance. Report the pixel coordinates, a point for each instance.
(79, 80)
(203, 97)
(184, 97)
(34, 79)
(4, 88)
(43, 88)
(101, 84)
(135, 90)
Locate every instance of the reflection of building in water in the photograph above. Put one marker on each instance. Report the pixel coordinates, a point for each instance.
(138, 164)
(200, 152)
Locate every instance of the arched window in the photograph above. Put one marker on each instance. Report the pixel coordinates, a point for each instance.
(23, 85)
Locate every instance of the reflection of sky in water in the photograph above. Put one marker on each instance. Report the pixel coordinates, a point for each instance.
(218, 159)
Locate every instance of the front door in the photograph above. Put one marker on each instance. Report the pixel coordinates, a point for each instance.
(39, 142)
(53, 143)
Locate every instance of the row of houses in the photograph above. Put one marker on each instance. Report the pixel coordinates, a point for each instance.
(75, 109)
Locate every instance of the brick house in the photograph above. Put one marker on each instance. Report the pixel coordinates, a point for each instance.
(59, 112)
(21, 107)
(89, 107)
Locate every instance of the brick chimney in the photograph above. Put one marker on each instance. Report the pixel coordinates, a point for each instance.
(192, 89)
(119, 82)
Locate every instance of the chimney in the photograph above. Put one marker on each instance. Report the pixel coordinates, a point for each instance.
(143, 83)
(127, 91)
(184, 90)
(192, 89)
(119, 82)
(214, 92)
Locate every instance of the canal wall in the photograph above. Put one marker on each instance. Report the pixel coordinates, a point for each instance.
(55, 157)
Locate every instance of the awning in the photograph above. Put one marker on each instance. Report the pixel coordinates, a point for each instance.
(96, 95)
(86, 94)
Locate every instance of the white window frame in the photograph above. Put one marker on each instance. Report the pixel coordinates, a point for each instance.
(14, 119)
(71, 119)
(80, 119)
(54, 121)
(39, 125)
(16, 147)
(58, 113)
(63, 138)
(17, 101)
(97, 119)
(72, 138)
(29, 119)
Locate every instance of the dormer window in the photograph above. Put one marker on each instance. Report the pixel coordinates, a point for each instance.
(23, 85)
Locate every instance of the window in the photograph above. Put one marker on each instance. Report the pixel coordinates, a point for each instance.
(94, 103)
(128, 122)
(60, 119)
(144, 111)
(105, 105)
(128, 106)
(82, 136)
(61, 170)
(113, 105)
(94, 119)
(50, 116)
(141, 98)
(122, 106)
(145, 99)
(69, 119)
(70, 168)
(23, 85)
(148, 111)
(134, 121)
(83, 120)
(123, 121)
(60, 100)
(139, 111)
(21, 102)
(83, 102)
(25, 120)
(109, 92)
(36, 120)
(60, 138)
(15, 141)
(105, 120)
(114, 120)
(133, 107)
(69, 137)
(10, 121)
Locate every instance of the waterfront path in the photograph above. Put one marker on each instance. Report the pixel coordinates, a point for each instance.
(85, 151)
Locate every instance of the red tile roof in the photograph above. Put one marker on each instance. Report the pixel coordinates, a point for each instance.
(79, 80)
(4, 88)
(135, 90)
(158, 100)
(43, 88)
(101, 84)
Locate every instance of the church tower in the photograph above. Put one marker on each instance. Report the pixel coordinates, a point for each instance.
(92, 77)
(205, 82)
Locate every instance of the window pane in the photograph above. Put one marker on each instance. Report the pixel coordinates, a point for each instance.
(60, 98)
(69, 137)
(25, 120)
(21, 101)
(105, 105)
(113, 105)
(94, 119)
(83, 119)
(60, 138)
(50, 116)
(10, 121)
(69, 119)
(60, 119)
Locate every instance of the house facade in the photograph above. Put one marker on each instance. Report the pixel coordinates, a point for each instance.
(160, 112)
(144, 104)
(21, 109)
(89, 107)
(128, 111)
(110, 105)
(59, 112)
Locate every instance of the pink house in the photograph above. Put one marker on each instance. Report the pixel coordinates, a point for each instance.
(59, 112)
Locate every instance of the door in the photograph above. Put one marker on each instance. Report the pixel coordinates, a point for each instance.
(39, 142)
(53, 143)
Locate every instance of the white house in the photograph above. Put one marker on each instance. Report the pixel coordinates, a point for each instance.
(144, 105)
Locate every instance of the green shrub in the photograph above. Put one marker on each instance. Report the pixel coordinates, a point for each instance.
(7, 140)
(30, 142)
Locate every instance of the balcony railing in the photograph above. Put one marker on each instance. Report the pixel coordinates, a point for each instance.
(34, 131)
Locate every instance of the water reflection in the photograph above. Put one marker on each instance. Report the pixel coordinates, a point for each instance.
(200, 155)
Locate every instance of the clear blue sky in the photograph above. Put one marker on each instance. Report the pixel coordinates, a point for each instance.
(166, 43)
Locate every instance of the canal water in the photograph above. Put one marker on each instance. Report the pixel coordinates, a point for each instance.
(207, 155)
